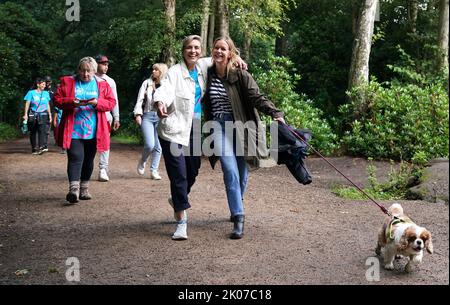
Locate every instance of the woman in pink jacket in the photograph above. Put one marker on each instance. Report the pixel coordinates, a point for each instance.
(84, 128)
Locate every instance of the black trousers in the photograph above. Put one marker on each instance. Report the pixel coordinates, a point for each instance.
(182, 171)
(40, 129)
(80, 159)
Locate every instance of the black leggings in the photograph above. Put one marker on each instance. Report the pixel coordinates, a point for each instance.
(81, 159)
(39, 127)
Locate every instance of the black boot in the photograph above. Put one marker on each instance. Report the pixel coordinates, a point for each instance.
(238, 227)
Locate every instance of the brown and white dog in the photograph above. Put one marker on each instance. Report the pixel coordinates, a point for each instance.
(400, 236)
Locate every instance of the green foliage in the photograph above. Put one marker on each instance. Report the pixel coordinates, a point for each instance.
(402, 121)
(399, 181)
(319, 39)
(275, 80)
(8, 132)
(27, 50)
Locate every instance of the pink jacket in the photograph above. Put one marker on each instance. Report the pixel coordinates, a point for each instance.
(63, 99)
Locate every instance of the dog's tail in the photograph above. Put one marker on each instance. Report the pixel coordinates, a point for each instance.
(396, 210)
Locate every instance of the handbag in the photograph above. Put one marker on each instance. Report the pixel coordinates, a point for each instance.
(31, 118)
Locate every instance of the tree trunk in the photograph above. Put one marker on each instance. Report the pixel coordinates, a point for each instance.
(246, 48)
(223, 18)
(443, 35)
(413, 9)
(359, 68)
(212, 22)
(281, 41)
(169, 52)
(205, 26)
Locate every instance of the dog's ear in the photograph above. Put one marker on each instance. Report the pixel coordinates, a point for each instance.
(426, 237)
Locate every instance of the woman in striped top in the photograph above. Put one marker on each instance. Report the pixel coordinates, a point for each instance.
(232, 98)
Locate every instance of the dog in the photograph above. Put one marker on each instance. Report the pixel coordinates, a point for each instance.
(400, 236)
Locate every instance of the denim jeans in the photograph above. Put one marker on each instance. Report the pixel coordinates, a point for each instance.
(234, 168)
(151, 142)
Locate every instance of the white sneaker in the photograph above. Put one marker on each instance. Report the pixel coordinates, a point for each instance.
(185, 216)
(180, 233)
(155, 175)
(141, 167)
(103, 176)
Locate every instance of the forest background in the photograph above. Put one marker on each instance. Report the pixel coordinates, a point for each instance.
(368, 77)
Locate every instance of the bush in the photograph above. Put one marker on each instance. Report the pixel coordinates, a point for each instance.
(275, 81)
(400, 122)
(8, 132)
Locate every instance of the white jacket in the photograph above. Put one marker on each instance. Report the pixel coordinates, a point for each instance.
(177, 92)
(147, 86)
(115, 111)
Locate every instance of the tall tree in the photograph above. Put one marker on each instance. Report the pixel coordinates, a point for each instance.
(223, 18)
(169, 51)
(413, 9)
(205, 25)
(359, 67)
(443, 34)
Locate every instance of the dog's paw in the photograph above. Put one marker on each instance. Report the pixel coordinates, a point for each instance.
(389, 266)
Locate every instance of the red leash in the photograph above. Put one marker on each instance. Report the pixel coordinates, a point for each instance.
(321, 156)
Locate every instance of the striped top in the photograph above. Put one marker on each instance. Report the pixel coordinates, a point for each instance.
(220, 103)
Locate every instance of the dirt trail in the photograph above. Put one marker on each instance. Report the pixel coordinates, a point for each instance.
(294, 234)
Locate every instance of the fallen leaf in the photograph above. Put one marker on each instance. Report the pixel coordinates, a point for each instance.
(21, 272)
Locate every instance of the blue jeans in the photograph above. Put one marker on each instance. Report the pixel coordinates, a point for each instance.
(151, 142)
(234, 168)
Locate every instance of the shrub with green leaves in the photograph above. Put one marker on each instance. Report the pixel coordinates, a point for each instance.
(276, 78)
(401, 121)
(8, 132)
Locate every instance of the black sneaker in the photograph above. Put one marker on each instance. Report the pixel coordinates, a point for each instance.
(35, 152)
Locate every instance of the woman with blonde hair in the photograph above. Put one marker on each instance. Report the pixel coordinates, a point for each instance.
(146, 117)
(232, 97)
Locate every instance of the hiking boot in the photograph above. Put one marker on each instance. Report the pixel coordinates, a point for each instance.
(238, 227)
(155, 175)
(103, 176)
(74, 192)
(141, 167)
(84, 191)
(181, 231)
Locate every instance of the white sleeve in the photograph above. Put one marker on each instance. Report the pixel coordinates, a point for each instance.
(140, 99)
(115, 110)
(166, 92)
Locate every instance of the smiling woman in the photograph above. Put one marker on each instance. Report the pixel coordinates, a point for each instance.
(83, 128)
(178, 103)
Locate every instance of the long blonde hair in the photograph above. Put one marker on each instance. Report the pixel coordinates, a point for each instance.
(232, 62)
(163, 69)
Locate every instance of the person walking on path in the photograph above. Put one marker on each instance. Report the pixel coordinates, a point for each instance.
(114, 119)
(83, 128)
(232, 98)
(147, 118)
(177, 101)
(38, 116)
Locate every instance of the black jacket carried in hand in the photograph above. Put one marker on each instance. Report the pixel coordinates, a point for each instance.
(292, 152)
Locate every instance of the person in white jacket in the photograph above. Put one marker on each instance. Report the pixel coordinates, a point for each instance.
(178, 102)
(147, 118)
(114, 120)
